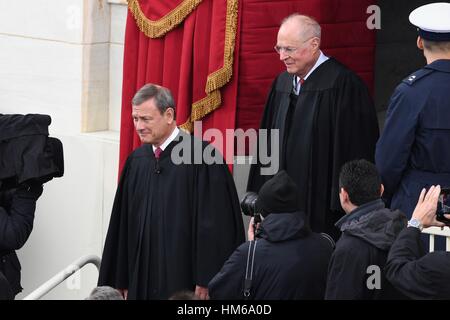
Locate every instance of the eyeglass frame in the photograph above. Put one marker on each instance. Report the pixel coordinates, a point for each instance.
(288, 49)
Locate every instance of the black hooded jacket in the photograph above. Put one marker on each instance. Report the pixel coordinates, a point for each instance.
(356, 268)
(290, 263)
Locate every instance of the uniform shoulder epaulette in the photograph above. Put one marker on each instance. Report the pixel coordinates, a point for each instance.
(419, 74)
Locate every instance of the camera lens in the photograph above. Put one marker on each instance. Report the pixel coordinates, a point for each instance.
(248, 204)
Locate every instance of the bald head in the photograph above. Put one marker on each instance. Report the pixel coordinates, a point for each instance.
(307, 27)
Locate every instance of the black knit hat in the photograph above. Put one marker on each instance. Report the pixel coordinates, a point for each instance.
(278, 195)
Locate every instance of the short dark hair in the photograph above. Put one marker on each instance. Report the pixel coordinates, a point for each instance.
(436, 46)
(361, 180)
(163, 97)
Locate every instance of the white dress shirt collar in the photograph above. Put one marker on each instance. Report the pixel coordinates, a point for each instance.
(172, 137)
(322, 59)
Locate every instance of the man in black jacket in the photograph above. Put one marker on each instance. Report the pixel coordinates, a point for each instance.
(416, 274)
(368, 231)
(290, 261)
(17, 209)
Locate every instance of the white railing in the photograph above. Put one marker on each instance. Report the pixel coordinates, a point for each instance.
(437, 231)
(63, 275)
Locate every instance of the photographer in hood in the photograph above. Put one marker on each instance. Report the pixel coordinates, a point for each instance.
(285, 261)
(409, 269)
(28, 159)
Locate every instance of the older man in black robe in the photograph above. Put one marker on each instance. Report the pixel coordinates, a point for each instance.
(325, 117)
(175, 219)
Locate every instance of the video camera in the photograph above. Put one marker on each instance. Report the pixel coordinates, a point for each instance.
(28, 156)
(443, 206)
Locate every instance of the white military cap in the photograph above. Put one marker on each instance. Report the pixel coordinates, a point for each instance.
(432, 21)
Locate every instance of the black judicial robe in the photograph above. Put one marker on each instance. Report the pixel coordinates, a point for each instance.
(172, 226)
(332, 122)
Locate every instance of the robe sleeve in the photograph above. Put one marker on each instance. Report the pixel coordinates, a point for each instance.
(228, 284)
(394, 147)
(114, 264)
(356, 128)
(255, 179)
(218, 222)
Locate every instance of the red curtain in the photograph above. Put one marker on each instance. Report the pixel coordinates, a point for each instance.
(183, 45)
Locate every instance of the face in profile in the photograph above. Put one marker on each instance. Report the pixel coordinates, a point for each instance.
(152, 126)
(297, 54)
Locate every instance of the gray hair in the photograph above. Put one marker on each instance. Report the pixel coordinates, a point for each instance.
(105, 293)
(310, 28)
(163, 97)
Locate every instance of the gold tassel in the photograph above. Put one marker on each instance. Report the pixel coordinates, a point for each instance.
(158, 28)
(222, 76)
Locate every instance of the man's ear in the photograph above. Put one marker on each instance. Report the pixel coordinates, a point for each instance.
(419, 43)
(381, 190)
(170, 113)
(315, 43)
(343, 195)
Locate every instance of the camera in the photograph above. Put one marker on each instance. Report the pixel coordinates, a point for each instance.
(248, 204)
(27, 154)
(443, 206)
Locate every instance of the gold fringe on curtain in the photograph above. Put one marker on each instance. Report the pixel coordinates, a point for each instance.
(220, 77)
(158, 28)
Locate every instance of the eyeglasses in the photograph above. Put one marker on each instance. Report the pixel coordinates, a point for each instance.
(287, 50)
(290, 50)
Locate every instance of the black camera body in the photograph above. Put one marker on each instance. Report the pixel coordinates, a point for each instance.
(443, 206)
(28, 156)
(249, 208)
(248, 204)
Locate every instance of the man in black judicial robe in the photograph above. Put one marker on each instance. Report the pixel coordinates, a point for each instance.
(173, 225)
(325, 118)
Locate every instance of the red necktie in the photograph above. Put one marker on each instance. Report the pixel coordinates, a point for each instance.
(158, 152)
(297, 84)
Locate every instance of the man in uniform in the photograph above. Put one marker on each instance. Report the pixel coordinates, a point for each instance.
(413, 151)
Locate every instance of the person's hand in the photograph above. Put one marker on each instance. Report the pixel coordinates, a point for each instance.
(201, 293)
(124, 293)
(425, 210)
(252, 229)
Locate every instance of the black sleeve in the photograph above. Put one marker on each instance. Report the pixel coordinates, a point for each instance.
(356, 128)
(417, 275)
(218, 221)
(228, 284)
(255, 178)
(114, 265)
(17, 223)
(5, 288)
